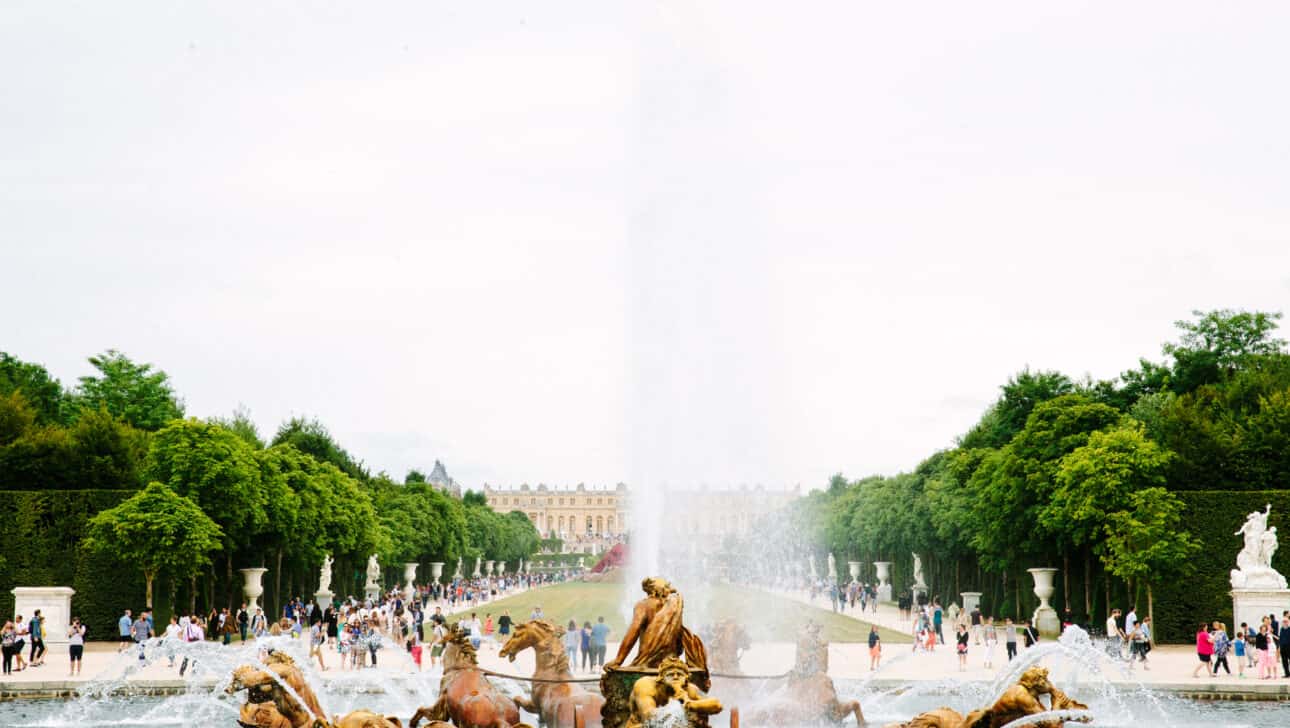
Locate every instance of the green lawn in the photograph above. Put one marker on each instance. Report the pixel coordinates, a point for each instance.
(767, 617)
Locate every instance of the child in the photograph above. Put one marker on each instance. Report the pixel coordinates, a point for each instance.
(875, 648)
(1238, 648)
(991, 641)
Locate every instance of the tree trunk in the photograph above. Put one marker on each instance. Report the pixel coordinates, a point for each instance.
(1088, 584)
(192, 594)
(277, 585)
(1106, 582)
(957, 585)
(228, 568)
(148, 576)
(1066, 581)
(1016, 607)
(1151, 614)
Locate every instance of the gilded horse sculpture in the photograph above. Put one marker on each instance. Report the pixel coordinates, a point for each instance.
(808, 697)
(1018, 701)
(466, 697)
(555, 703)
(269, 705)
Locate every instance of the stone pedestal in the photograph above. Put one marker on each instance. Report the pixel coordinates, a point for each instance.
(55, 605)
(436, 570)
(372, 592)
(252, 588)
(1252, 605)
(409, 578)
(884, 580)
(971, 600)
(1045, 618)
(323, 598)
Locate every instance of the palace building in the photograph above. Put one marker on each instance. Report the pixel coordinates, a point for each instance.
(595, 516)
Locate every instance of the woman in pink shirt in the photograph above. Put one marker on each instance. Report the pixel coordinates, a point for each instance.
(1204, 649)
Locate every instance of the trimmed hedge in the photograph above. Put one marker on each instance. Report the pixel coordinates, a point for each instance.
(1213, 516)
(40, 546)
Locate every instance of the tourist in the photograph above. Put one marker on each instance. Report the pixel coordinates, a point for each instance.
(141, 633)
(974, 618)
(1221, 646)
(171, 638)
(259, 624)
(536, 614)
(991, 642)
(585, 643)
(243, 621)
(372, 640)
(37, 631)
(1238, 649)
(75, 645)
(1204, 649)
(1250, 655)
(937, 617)
(476, 630)
(440, 635)
(875, 648)
(599, 643)
(1130, 620)
(1283, 646)
(20, 628)
(572, 638)
(317, 639)
(1114, 637)
(961, 637)
(504, 624)
(123, 626)
(488, 626)
(194, 633)
(1263, 646)
(8, 637)
(1029, 635)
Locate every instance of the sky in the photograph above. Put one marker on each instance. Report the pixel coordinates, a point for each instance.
(662, 243)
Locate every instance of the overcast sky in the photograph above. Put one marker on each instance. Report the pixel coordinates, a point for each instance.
(711, 243)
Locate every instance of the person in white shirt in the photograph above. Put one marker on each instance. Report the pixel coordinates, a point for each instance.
(170, 639)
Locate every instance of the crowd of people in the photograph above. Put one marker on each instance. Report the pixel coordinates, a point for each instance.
(1259, 649)
(356, 629)
(980, 630)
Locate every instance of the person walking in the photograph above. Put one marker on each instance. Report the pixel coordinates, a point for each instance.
(1263, 645)
(1010, 638)
(975, 617)
(123, 629)
(875, 648)
(586, 646)
(8, 637)
(991, 642)
(504, 625)
(1029, 635)
(171, 638)
(75, 645)
(243, 621)
(1221, 645)
(572, 638)
(141, 633)
(317, 640)
(1114, 636)
(36, 629)
(1205, 649)
(1238, 650)
(1283, 646)
(599, 643)
(937, 617)
(961, 640)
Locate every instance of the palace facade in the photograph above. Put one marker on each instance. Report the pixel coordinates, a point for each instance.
(584, 515)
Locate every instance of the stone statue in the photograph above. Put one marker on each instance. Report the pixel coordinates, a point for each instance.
(668, 699)
(814, 574)
(324, 574)
(657, 625)
(1254, 562)
(918, 571)
(457, 574)
(833, 568)
(475, 573)
(373, 573)
(808, 697)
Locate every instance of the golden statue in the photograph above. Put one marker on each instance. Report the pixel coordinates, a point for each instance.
(1018, 701)
(651, 694)
(656, 624)
(268, 705)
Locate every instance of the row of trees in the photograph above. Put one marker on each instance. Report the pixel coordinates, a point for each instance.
(1080, 474)
(213, 496)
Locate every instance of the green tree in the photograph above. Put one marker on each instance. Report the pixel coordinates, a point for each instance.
(218, 470)
(158, 531)
(16, 417)
(312, 438)
(1145, 541)
(133, 392)
(414, 476)
(241, 424)
(108, 452)
(1219, 343)
(43, 393)
(1021, 394)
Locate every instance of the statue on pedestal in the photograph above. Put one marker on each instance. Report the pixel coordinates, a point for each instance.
(1254, 563)
(373, 573)
(918, 571)
(833, 568)
(656, 624)
(324, 574)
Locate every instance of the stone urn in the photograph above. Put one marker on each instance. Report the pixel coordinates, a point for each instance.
(488, 567)
(884, 580)
(1045, 618)
(854, 568)
(251, 586)
(409, 578)
(501, 568)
